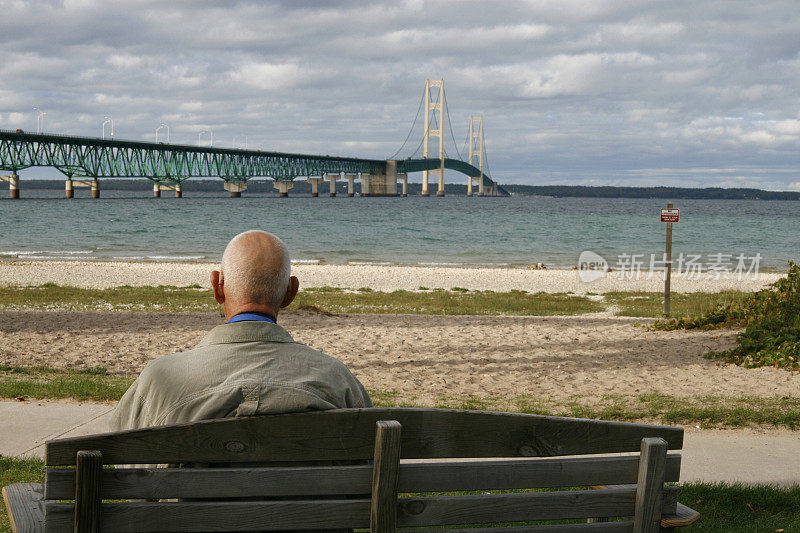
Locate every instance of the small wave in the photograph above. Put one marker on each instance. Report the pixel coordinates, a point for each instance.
(31, 253)
(442, 264)
(71, 252)
(306, 261)
(18, 253)
(176, 257)
(369, 263)
(52, 258)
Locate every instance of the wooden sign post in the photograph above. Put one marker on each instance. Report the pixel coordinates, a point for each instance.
(669, 215)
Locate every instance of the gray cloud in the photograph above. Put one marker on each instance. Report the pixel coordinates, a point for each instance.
(684, 93)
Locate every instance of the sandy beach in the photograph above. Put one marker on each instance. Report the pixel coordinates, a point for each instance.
(101, 274)
(424, 357)
(421, 357)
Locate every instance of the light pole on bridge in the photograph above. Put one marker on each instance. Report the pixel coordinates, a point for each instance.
(201, 134)
(245, 142)
(39, 120)
(159, 128)
(107, 121)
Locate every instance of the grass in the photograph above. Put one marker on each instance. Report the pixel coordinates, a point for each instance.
(723, 507)
(707, 411)
(726, 507)
(424, 301)
(458, 301)
(651, 304)
(39, 382)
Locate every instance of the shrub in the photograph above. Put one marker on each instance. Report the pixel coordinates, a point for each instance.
(771, 318)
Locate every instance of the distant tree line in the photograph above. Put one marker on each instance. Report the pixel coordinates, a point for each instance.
(708, 193)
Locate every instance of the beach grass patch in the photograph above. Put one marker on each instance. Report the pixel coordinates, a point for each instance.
(330, 299)
(162, 298)
(651, 304)
(452, 302)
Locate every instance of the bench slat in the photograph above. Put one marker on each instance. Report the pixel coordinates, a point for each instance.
(219, 516)
(355, 479)
(518, 507)
(328, 514)
(348, 434)
(25, 507)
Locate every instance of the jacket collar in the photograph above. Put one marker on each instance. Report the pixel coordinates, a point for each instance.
(248, 331)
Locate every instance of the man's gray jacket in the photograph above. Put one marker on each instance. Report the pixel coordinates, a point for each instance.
(239, 369)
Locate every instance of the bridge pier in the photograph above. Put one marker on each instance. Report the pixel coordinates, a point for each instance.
(315, 186)
(332, 178)
(176, 187)
(13, 185)
(71, 184)
(404, 178)
(440, 188)
(351, 180)
(470, 182)
(425, 184)
(366, 184)
(283, 188)
(380, 184)
(235, 188)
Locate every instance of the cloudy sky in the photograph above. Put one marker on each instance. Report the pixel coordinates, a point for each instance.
(687, 93)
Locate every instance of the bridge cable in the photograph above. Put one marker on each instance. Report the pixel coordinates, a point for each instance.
(486, 159)
(464, 148)
(450, 123)
(419, 108)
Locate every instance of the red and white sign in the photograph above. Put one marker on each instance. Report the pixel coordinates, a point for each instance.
(670, 215)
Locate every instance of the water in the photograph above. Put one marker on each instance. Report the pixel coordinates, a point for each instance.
(442, 231)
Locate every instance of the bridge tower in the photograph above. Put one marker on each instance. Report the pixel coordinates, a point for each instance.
(476, 153)
(433, 114)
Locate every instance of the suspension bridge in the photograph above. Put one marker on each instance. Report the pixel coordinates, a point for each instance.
(83, 160)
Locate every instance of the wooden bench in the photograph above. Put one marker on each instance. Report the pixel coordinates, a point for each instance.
(299, 482)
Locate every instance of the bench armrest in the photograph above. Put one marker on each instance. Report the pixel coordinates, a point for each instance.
(25, 506)
(683, 516)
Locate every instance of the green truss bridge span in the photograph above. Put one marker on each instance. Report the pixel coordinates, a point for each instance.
(83, 160)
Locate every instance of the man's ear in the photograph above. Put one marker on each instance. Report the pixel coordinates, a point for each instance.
(217, 286)
(291, 291)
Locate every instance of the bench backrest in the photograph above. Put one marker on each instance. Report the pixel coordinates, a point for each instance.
(293, 455)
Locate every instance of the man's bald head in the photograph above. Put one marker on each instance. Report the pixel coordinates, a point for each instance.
(256, 269)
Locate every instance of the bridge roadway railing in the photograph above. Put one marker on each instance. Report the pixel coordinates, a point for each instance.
(418, 165)
(89, 157)
(161, 162)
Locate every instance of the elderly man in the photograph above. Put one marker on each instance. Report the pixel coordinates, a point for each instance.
(247, 366)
